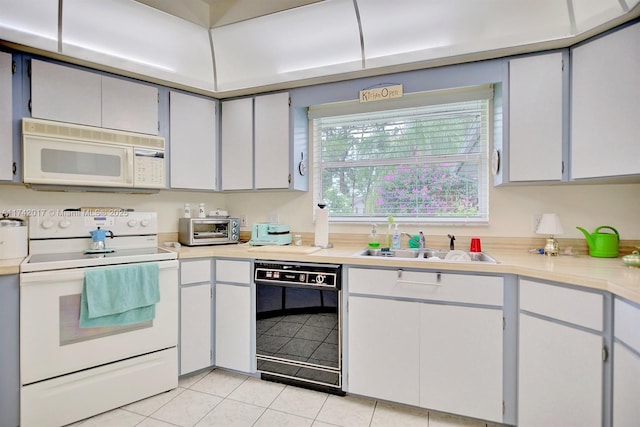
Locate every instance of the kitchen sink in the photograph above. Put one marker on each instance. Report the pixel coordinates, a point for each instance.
(429, 255)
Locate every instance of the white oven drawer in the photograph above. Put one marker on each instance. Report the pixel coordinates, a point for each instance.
(52, 343)
(70, 398)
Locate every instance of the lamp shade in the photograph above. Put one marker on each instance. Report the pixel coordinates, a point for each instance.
(549, 224)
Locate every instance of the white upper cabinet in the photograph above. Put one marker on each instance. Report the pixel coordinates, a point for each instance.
(193, 150)
(237, 144)
(6, 132)
(264, 144)
(68, 94)
(129, 106)
(605, 101)
(272, 141)
(536, 118)
(65, 94)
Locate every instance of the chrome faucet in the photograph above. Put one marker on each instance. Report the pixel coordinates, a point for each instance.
(452, 238)
(421, 240)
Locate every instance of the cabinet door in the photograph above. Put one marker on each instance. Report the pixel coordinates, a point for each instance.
(383, 349)
(461, 360)
(193, 142)
(536, 118)
(626, 386)
(272, 141)
(605, 101)
(129, 106)
(65, 94)
(559, 375)
(237, 144)
(6, 132)
(233, 327)
(195, 328)
(626, 363)
(10, 342)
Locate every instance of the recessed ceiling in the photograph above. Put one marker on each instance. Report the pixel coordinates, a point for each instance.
(215, 13)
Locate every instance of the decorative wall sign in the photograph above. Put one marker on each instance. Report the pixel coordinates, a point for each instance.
(380, 93)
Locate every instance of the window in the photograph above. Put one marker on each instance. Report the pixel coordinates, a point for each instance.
(424, 160)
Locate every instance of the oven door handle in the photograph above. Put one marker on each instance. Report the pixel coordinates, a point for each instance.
(38, 277)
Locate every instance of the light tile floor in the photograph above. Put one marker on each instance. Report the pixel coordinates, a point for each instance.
(222, 398)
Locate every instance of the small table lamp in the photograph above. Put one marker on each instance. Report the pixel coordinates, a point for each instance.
(550, 224)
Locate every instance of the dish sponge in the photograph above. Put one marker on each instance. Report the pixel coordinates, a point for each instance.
(414, 242)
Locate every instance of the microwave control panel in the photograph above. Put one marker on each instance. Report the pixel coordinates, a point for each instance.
(149, 169)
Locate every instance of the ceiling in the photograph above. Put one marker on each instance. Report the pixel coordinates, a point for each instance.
(215, 13)
(227, 48)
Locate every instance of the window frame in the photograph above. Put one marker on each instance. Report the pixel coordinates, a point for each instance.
(444, 96)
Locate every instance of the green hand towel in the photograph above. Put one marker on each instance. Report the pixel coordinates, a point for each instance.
(119, 295)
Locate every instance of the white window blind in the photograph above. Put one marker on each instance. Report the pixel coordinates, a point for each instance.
(422, 163)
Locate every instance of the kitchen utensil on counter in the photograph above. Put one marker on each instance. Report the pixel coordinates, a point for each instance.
(98, 236)
(602, 245)
(13, 237)
(322, 227)
(374, 239)
(270, 234)
(475, 245)
(632, 260)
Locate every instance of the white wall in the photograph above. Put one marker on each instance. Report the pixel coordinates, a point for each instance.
(168, 204)
(510, 208)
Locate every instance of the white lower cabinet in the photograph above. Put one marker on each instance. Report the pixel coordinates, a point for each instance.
(626, 364)
(560, 366)
(195, 328)
(427, 339)
(384, 350)
(196, 315)
(461, 360)
(234, 316)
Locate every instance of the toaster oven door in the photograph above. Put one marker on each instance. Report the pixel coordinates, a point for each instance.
(208, 232)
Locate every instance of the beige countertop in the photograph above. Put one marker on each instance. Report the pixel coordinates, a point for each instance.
(10, 266)
(608, 274)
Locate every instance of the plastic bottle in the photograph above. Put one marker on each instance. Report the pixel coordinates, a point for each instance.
(187, 210)
(395, 240)
(374, 240)
(201, 211)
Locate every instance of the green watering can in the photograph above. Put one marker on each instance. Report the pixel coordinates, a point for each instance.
(602, 245)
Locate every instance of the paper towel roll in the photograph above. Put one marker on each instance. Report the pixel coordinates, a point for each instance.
(322, 227)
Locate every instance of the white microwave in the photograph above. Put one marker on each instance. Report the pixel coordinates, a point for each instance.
(63, 154)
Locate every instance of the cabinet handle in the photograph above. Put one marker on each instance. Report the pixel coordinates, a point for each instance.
(400, 281)
(605, 354)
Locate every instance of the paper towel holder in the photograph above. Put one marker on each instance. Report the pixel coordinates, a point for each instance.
(328, 245)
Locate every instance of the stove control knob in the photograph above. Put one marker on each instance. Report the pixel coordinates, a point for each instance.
(47, 224)
(144, 222)
(301, 277)
(320, 278)
(132, 222)
(65, 223)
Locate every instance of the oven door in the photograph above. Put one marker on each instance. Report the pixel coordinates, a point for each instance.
(298, 333)
(52, 343)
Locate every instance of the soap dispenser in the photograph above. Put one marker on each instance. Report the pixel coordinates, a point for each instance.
(395, 240)
(374, 240)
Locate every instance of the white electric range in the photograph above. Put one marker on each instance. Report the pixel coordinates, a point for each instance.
(69, 372)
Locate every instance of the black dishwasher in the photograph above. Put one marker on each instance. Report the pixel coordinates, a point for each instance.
(299, 324)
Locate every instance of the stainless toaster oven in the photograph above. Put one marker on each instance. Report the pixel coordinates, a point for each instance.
(208, 231)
